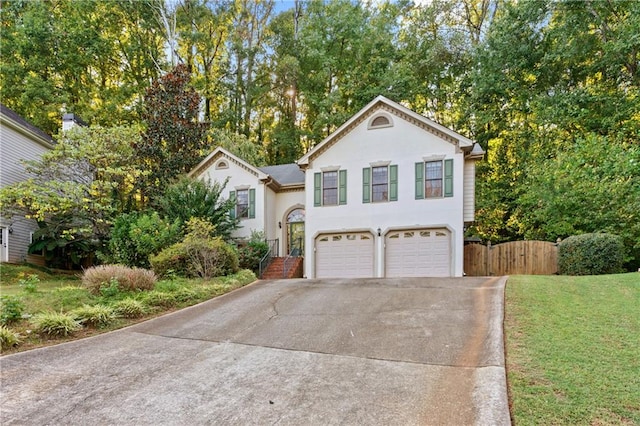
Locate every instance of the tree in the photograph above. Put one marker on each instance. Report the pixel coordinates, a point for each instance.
(173, 141)
(190, 198)
(76, 190)
(91, 57)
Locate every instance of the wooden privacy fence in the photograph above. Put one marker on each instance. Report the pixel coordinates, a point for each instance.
(516, 257)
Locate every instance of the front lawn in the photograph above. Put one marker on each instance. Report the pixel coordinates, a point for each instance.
(573, 349)
(25, 297)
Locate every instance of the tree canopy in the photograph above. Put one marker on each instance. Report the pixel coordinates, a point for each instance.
(548, 88)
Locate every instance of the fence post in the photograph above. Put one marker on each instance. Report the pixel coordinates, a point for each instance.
(488, 269)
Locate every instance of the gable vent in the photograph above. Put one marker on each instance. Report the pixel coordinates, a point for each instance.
(379, 121)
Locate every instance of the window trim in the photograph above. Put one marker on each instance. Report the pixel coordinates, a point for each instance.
(392, 182)
(389, 123)
(251, 203)
(447, 172)
(318, 186)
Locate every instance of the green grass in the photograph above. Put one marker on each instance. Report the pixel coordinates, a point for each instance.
(64, 293)
(573, 349)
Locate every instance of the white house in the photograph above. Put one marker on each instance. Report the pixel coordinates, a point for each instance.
(19, 140)
(385, 195)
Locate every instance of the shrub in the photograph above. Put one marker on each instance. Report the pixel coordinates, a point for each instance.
(127, 278)
(137, 236)
(55, 324)
(190, 198)
(11, 309)
(591, 254)
(8, 338)
(198, 255)
(30, 283)
(96, 315)
(250, 255)
(129, 308)
(111, 289)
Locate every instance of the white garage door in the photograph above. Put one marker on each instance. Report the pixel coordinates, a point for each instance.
(344, 255)
(418, 253)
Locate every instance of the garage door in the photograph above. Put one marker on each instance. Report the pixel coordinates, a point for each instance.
(418, 253)
(344, 255)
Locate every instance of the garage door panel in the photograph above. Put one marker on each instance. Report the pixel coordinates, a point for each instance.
(418, 253)
(346, 255)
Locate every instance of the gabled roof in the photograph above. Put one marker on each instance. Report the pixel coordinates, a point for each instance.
(221, 152)
(380, 102)
(284, 175)
(17, 121)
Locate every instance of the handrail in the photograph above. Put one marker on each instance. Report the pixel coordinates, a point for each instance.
(295, 252)
(266, 259)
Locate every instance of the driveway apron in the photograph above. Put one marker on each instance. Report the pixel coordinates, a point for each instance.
(410, 351)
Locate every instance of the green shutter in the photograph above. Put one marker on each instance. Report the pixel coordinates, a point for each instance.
(342, 187)
(366, 185)
(419, 181)
(317, 189)
(393, 183)
(448, 177)
(252, 204)
(232, 198)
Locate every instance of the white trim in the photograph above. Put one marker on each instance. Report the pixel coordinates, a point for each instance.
(389, 123)
(433, 158)
(4, 249)
(330, 168)
(380, 164)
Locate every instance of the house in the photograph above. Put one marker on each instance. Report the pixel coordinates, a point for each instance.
(387, 194)
(19, 140)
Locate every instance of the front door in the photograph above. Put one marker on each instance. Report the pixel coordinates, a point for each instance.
(295, 232)
(4, 242)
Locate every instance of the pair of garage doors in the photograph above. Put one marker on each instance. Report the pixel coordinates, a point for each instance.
(407, 253)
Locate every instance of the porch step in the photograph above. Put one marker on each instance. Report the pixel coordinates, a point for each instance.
(275, 270)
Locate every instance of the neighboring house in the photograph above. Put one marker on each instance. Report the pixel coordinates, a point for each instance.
(19, 140)
(387, 194)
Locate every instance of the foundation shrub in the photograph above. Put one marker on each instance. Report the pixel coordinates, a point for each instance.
(591, 254)
(250, 255)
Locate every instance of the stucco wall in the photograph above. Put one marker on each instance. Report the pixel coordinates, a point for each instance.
(239, 177)
(404, 144)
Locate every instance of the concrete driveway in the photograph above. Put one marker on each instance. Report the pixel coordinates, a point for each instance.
(368, 351)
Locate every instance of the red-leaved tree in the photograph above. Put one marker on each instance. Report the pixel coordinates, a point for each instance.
(173, 141)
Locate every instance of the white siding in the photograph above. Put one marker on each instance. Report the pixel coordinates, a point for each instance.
(17, 145)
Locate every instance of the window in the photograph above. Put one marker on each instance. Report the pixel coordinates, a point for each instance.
(434, 179)
(330, 188)
(222, 165)
(380, 184)
(244, 203)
